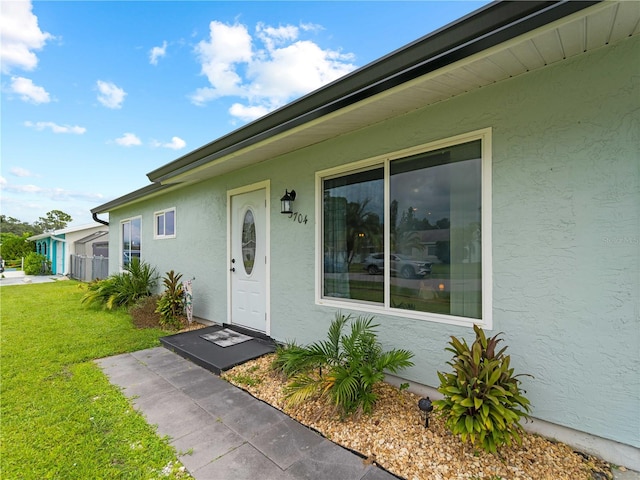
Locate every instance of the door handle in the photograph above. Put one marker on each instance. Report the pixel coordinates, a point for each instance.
(232, 269)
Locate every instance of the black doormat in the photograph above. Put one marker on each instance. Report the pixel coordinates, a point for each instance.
(226, 337)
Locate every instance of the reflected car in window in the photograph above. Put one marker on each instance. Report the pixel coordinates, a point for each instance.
(401, 265)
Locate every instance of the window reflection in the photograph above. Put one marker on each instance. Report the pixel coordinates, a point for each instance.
(353, 214)
(130, 240)
(435, 217)
(434, 261)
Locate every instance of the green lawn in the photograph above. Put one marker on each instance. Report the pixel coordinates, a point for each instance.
(60, 416)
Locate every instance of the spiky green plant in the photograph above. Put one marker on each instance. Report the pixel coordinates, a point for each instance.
(171, 303)
(122, 289)
(343, 369)
(482, 403)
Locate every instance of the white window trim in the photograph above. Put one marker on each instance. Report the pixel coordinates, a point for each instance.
(122, 222)
(486, 322)
(155, 223)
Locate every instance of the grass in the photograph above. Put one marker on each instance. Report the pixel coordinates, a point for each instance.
(60, 416)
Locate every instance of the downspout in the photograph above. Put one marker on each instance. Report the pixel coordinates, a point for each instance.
(95, 217)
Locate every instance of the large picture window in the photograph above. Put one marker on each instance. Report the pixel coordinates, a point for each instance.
(405, 235)
(130, 240)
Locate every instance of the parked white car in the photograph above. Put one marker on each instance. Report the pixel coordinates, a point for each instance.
(401, 265)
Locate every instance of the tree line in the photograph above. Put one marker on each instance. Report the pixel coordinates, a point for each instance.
(14, 233)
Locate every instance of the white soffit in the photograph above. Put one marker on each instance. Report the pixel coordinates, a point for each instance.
(589, 29)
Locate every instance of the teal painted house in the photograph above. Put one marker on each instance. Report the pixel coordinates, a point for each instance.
(59, 245)
(487, 173)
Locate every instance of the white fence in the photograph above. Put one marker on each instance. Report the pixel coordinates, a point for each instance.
(86, 268)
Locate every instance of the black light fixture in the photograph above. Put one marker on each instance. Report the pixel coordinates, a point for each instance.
(426, 406)
(286, 201)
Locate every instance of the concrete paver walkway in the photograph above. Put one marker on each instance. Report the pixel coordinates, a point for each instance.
(225, 432)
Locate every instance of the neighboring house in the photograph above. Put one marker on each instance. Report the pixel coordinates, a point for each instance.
(59, 245)
(516, 129)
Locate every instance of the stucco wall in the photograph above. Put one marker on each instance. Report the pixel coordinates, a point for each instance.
(566, 236)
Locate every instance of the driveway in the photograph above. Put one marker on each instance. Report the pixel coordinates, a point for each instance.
(17, 277)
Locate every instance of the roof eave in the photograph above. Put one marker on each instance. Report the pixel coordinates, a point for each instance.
(130, 198)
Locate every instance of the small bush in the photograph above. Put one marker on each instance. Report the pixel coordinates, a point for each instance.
(348, 366)
(122, 289)
(36, 264)
(171, 303)
(482, 401)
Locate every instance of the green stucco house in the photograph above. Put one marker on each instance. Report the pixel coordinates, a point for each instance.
(489, 171)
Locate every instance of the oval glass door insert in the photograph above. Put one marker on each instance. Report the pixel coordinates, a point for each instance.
(248, 241)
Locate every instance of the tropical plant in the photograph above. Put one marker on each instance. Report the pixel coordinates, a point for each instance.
(343, 369)
(171, 303)
(122, 289)
(36, 264)
(482, 403)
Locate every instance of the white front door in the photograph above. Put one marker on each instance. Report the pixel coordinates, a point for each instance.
(248, 262)
(59, 250)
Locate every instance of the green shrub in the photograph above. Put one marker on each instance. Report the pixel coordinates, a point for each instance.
(482, 401)
(348, 366)
(171, 303)
(14, 247)
(122, 289)
(36, 264)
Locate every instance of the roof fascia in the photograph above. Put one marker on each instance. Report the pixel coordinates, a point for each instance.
(491, 25)
(130, 198)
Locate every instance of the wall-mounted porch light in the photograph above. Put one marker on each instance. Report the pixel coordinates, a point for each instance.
(286, 201)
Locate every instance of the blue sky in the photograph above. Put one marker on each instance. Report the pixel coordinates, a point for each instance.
(97, 94)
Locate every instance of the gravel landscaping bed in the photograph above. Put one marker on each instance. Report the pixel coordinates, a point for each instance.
(395, 438)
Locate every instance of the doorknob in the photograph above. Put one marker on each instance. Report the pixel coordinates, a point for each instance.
(232, 269)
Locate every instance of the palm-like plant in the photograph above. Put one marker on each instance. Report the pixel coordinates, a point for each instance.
(343, 368)
(122, 289)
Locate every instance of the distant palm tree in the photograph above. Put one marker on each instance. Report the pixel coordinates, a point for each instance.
(363, 229)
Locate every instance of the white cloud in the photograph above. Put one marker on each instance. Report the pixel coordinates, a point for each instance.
(19, 36)
(51, 193)
(128, 140)
(111, 96)
(176, 143)
(20, 172)
(55, 128)
(3, 181)
(157, 52)
(266, 71)
(23, 188)
(272, 36)
(295, 70)
(229, 45)
(28, 91)
(203, 95)
(247, 113)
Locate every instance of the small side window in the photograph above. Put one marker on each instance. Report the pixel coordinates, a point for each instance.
(165, 224)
